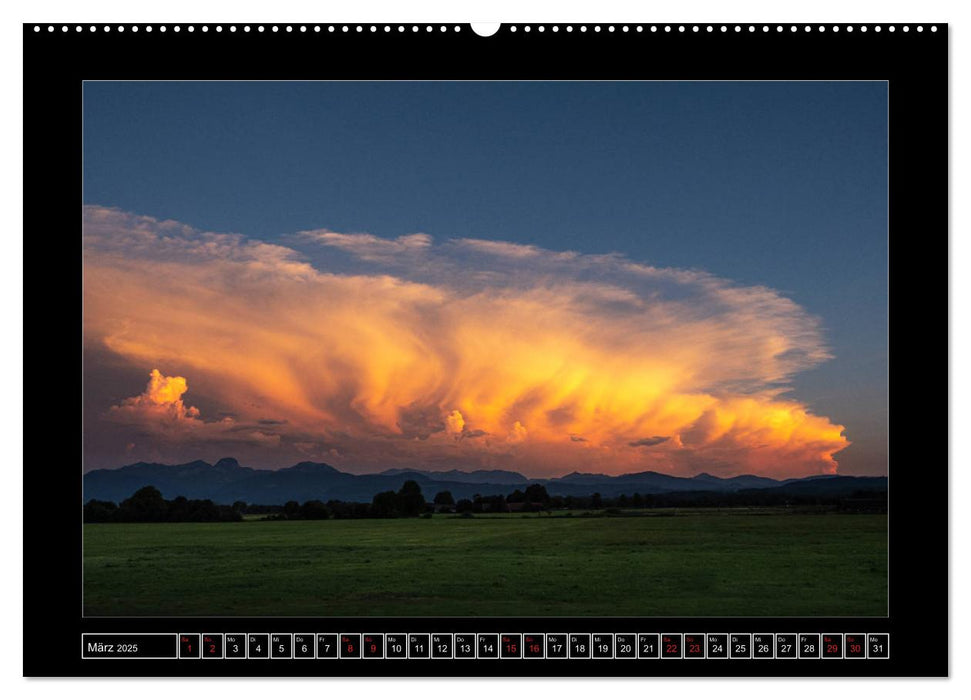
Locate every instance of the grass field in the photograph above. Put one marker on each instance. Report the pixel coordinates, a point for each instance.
(702, 563)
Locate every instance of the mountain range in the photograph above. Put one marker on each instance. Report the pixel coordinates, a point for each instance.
(226, 481)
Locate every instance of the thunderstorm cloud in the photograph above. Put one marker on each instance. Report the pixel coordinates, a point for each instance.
(373, 352)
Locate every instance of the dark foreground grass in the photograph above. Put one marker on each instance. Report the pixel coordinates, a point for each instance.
(710, 563)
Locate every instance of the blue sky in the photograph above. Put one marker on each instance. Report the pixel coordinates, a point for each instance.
(775, 184)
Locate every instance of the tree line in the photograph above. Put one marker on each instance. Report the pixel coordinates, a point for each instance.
(148, 505)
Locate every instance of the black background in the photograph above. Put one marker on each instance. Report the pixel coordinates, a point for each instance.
(914, 63)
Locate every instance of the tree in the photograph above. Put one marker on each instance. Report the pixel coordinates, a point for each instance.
(204, 511)
(596, 501)
(516, 496)
(314, 510)
(291, 509)
(384, 505)
(178, 510)
(410, 501)
(146, 505)
(99, 511)
(536, 493)
(444, 498)
(464, 506)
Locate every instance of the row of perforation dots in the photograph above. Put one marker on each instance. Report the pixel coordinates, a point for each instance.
(512, 28)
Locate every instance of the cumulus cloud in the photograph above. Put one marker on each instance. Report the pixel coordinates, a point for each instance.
(161, 400)
(387, 350)
(160, 412)
(454, 423)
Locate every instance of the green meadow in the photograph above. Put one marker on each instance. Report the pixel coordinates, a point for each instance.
(714, 562)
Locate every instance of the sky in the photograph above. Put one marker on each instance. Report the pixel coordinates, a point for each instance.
(546, 277)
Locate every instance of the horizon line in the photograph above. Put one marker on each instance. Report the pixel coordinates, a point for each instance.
(423, 471)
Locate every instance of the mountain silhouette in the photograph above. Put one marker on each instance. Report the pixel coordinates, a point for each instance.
(226, 482)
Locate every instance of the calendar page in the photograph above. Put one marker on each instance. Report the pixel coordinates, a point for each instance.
(420, 349)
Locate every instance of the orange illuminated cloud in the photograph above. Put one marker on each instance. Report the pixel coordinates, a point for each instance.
(160, 411)
(161, 399)
(376, 352)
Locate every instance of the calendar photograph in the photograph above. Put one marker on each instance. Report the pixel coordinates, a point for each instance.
(506, 348)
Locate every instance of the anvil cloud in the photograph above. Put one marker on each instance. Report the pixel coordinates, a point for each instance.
(370, 353)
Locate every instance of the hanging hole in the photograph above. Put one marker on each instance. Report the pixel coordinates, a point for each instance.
(485, 29)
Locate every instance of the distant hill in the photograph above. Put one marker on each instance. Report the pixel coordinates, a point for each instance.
(226, 482)
(479, 476)
(829, 486)
(655, 482)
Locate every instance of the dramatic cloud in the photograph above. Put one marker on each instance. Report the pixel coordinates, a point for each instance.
(162, 416)
(371, 352)
(454, 423)
(161, 400)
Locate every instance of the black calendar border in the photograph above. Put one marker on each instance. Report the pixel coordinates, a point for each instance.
(915, 63)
